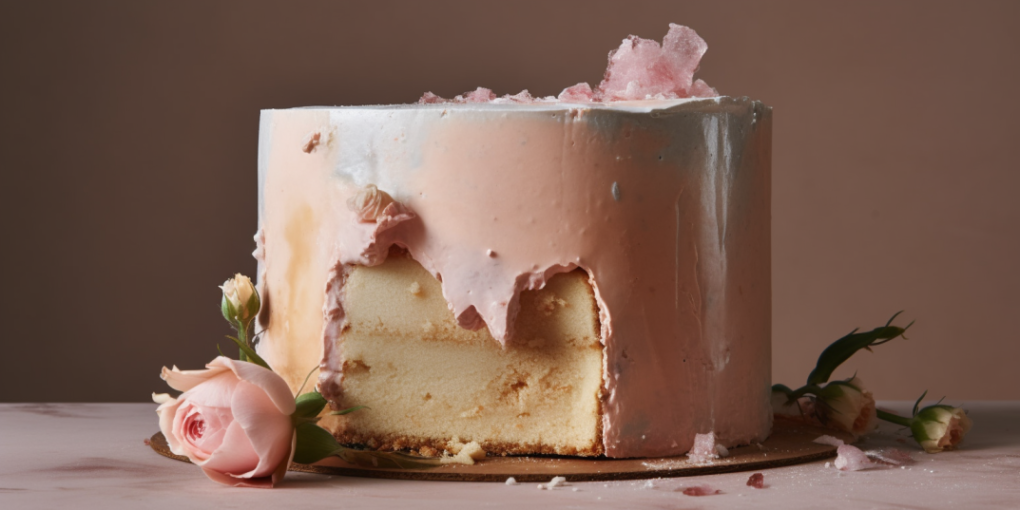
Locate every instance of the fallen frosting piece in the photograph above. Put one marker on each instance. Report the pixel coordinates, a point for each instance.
(701, 490)
(555, 482)
(704, 449)
(829, 440)
(465, 454)
(851, 458)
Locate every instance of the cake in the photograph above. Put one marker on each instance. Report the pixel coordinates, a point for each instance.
(583, 275)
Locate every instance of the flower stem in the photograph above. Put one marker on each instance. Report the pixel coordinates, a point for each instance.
(242, 335)
(893, 418)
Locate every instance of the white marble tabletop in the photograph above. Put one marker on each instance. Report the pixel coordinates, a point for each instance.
(94, 456)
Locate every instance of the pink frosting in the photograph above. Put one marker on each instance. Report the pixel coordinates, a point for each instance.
(665, 206)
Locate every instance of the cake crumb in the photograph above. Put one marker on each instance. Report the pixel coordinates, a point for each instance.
(648, 485)
(428, 328)
(415, 288)
(555, 482)
(511, 481)
(463, 453)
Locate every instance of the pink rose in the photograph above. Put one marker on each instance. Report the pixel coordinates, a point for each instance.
(233, 420)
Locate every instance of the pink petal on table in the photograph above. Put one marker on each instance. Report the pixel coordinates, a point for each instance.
(701, 490)
(893, 456)
(851, 458)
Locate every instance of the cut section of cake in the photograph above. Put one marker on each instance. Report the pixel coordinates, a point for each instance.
(430, 383)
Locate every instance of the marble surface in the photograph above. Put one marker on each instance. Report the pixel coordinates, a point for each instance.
(94, 456)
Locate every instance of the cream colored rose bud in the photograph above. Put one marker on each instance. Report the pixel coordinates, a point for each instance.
(849, 406)
(240, 300)
(940, 427)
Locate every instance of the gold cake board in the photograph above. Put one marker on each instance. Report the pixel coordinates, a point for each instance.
(790, 443)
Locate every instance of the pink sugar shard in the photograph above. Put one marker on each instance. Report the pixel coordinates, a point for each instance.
(851, 458)
(430, 98)
(479, 95)
(642, 68)
(701, 490)
(580, 93)
(757, 481)
(521, 97)
(704, 449)
(701, 89)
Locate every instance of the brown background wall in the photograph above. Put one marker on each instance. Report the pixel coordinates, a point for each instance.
(128, 135)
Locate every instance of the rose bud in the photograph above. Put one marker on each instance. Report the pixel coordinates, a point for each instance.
(240, 300)
(847, 406)
(233, 420)
(940, 427)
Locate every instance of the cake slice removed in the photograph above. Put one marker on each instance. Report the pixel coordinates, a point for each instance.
(430, 383)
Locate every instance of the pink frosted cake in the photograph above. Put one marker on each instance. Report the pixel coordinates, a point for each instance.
(582, 275)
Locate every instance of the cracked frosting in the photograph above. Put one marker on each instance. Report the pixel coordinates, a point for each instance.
(664, 203)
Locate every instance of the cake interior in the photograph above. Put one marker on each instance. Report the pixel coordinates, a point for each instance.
(429, 383)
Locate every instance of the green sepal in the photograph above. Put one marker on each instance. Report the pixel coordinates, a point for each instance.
(349, 410)
(387, 460)
(313, 444)
(918, 403)
(308, 406)
(841, 350)
(252, 356)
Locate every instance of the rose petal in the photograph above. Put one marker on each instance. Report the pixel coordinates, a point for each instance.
(184, 380)
(893, 456)
(273, 385)
(269, 433)
(167, 411)
(235, 454)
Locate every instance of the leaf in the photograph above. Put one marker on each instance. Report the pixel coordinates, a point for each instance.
(314, 443)
(308, 406)
(918, 403)
(387, 460)
(841, 350)
(349, 410)
(250, 353)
